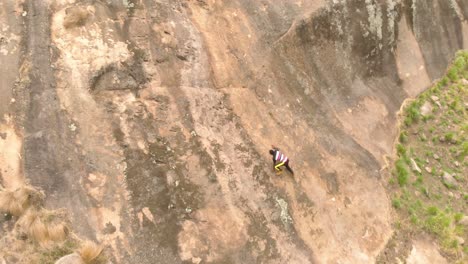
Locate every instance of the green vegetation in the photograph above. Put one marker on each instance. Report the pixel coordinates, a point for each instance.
(401, 150)
(402, 172)
(464, 150)
(458, 217)
(430, 146)
(396, 203)
(403, 136)
(449, 136)
(412, 113)
(57, 251)
(453, 74)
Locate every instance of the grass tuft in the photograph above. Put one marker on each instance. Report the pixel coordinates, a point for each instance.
(16, 202)
(432, 210)
(458, 217)
(396, 203)
(402, 172)
(75, 17)
(91, 253)
(412, 114)
(403, 136)
(42, 227)
(57, 251)
(464, 150)
(449, 136)
(438, 224)
(453, 74)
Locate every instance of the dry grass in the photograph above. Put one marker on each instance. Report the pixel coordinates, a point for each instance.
(42, 227)
(58, 232)
(75, 17)
(16, 202)
(91, 253)
(40, 235)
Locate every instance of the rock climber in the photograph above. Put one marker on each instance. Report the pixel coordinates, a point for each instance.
(280, 160)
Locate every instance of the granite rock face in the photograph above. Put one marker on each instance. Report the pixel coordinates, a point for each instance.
(157, 117)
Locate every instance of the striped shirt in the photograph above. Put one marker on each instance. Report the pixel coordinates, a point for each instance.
(280, 157)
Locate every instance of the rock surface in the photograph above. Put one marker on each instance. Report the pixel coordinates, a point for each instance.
(133, 111)
(464, 221)
(423, 251)
(70, 259)
(460, 240)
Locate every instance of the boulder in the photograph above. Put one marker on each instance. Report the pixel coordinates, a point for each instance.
(70, 259)
(424, 251)
(464, 220)
(196, 260)
(426, 109)
(449, 180)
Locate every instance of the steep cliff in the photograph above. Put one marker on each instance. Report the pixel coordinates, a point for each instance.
(155, 118)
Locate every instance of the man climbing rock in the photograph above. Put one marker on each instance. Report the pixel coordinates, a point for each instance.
(280, 160)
